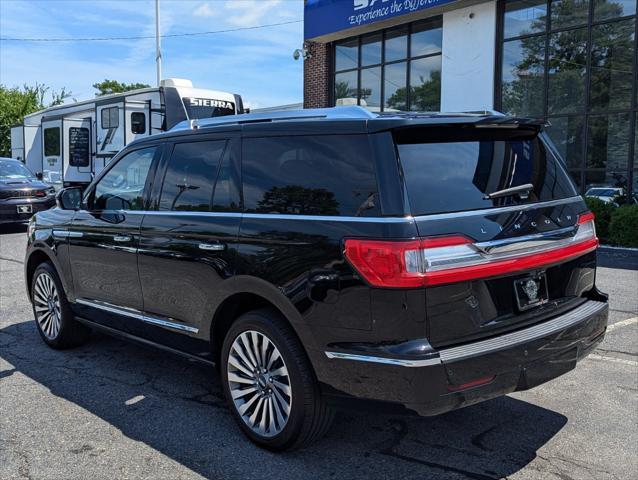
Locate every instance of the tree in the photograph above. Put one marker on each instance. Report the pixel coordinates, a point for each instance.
(16, 102)
(108, 87)
(424, 97)
(294, 199)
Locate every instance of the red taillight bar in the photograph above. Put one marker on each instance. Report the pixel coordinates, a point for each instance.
(413, 263)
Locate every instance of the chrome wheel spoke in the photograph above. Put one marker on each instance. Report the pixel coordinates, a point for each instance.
(243, 408)
(240, 353)
(282, 386)
(233, 377)
(237, 364)
(239, 393)
(256, 414)
(258, 380)
(245, 341)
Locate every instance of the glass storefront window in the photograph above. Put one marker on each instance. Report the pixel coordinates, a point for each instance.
(567, 68)
(607, 151)
(576, 69)
(612, 55)
(396, 44)
(606, 9)
(567, 134)
(395, 87)
(426, 39)
(524, 17)
(523, 81)
(568, 13)
(346, 86)
(347, 55)
(425, 84)
(370, 91)
(371, 50)
(382, 59)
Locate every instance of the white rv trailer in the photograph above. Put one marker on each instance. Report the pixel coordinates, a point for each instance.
(71, 143)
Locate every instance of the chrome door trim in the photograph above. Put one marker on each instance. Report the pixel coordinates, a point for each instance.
(67, 234)
(136, 314)
(400, 362)
(213, 247)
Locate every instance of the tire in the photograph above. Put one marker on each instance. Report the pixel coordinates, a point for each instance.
(307, 417)
(53, 316)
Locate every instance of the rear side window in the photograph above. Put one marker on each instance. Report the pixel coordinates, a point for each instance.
(456, 175)
(190, 176)
(310, 175)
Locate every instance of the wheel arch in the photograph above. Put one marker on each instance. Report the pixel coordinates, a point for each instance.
(35, 258)
(249, 294)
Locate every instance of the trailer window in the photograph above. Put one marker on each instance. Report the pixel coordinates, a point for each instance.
(110, 117)
(79, 147)
(52, 141)
(138, 123)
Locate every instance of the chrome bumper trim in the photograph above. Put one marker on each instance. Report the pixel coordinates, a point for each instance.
(385, 361)
(519, 337)
(490, 345)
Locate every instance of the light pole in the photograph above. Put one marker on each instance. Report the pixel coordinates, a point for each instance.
(158, 51)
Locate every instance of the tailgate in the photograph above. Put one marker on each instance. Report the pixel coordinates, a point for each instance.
(505, 239)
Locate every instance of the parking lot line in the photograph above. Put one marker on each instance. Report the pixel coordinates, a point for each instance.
(622, 323)
(595, 356)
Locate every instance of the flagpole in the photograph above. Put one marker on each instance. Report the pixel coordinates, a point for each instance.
(158, 51)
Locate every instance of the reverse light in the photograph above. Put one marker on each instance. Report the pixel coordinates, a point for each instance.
(449, 259)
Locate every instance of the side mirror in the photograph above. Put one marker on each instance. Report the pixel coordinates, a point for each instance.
(39, 175)
(69, 198)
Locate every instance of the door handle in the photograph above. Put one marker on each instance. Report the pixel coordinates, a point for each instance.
(122, 238)
(214, 247)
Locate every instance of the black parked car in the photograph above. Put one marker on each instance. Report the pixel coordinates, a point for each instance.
(420, 262)
(22, 193)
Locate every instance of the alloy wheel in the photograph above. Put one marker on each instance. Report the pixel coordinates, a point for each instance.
(259, 383)
(46, 301)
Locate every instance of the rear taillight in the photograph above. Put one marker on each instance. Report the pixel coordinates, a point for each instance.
(450, 259)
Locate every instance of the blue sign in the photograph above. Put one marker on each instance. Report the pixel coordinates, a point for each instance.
(323, 17)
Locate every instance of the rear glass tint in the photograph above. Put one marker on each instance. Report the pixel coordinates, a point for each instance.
(455, 174)
(310, 175)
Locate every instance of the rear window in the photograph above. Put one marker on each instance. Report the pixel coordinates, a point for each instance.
(456, 172)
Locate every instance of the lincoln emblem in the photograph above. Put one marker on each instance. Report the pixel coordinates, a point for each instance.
(531, 289)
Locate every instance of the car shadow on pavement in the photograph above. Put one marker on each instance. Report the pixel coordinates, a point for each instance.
(176, 407)
(13, 228)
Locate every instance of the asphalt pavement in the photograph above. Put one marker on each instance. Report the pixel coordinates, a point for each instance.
(111, 410)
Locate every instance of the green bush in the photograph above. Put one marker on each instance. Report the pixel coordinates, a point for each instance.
(603, 212)
(623, 228)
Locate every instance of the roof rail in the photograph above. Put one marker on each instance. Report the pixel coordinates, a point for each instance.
(334, 113)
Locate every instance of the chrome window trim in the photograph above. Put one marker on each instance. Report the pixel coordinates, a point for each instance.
(136, 314)
(327, 218)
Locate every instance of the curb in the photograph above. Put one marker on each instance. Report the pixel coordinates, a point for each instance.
(619, 249)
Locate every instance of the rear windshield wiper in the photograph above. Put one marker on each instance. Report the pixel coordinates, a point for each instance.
(522, 191)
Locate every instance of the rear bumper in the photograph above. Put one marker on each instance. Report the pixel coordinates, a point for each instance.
(439, 381)
(9, 208)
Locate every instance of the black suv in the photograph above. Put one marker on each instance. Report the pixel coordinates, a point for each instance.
(419, 261)
(21, 192)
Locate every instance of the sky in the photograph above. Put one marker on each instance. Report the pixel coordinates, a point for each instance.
(256, 64)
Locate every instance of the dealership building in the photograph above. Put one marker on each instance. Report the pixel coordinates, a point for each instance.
(572, 62)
